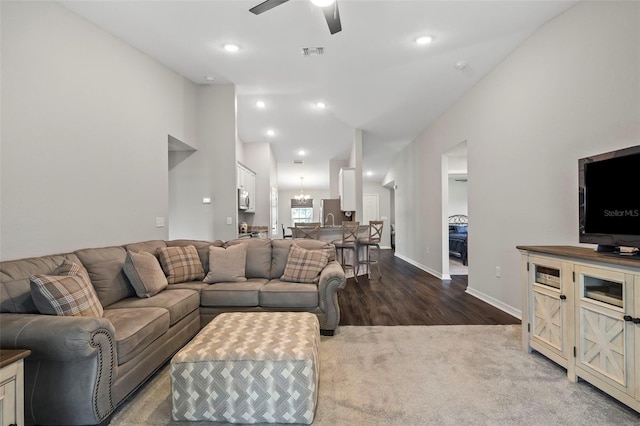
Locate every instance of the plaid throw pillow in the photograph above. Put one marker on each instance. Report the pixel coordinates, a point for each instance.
(68, 293)
(180, 264)
(304, 266)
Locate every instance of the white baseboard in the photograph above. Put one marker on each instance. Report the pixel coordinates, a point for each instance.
(424, 268)
(517, 313)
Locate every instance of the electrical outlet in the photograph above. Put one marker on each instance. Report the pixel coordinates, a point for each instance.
(498, 272)
(428, 250)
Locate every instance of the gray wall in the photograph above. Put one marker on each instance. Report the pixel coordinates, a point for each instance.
(86, 120)
(569, 91)
(85, 125)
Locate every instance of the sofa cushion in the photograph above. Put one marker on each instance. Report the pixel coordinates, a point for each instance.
(227, 264)
(136, 329)
(106, 273)
(15, 288)
(281, 294)
(68, 293)
(181, 264)
(281, 252)
(258, 256)
(304, 265)
(179, 303)
(145, 273)
(150, 246)
(201, 246)
(233, 294)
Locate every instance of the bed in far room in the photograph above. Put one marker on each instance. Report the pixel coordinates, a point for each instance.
(458, 234)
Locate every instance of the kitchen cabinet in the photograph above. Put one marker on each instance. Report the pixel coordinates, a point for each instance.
(581, 309)
(347, 189)
(246, 179)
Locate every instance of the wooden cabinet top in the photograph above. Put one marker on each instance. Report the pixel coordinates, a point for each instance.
(585, 254)
(8, 356)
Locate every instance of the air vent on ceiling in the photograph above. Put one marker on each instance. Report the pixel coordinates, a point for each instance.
(460, 180)
(297, 161)
(312, 51)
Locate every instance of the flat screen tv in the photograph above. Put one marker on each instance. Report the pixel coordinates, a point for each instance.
(609, 198)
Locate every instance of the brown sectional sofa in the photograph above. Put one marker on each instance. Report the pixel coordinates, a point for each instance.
(82, 368)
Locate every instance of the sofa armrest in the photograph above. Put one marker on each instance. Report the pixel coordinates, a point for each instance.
(332, 278)
(70, 372)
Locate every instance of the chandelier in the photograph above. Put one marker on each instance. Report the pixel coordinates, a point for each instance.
(302, 196)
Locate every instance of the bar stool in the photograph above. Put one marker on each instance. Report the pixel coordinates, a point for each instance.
(308, 232)
(348, 242)
(373, 240)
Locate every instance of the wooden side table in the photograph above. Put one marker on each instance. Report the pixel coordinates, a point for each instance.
(12, 386)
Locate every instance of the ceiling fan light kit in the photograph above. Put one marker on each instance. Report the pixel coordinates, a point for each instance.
(329, 8)
(323, 3)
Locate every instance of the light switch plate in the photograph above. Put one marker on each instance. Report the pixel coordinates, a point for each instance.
(159, 222)
(229, 220)
(206, 200)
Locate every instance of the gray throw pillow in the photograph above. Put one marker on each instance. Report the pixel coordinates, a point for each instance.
(144, 273)
(227, 265)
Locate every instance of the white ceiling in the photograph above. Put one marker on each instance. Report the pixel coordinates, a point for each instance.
(372, 75)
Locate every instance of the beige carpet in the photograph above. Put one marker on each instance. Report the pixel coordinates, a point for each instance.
(427, 375)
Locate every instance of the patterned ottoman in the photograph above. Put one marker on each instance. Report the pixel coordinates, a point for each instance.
(253, 367)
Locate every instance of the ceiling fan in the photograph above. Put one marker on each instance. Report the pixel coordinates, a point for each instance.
(329, 8)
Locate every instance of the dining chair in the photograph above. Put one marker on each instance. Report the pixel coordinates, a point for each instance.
(284, 233)
(348, 242)
(372, 241)
(307, 232)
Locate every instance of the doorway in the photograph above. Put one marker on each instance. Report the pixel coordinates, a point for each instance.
(455, 211)
(370, 208)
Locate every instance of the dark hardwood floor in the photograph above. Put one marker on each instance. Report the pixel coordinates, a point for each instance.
(406, 295)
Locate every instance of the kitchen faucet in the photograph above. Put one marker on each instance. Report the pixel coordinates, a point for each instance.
(333, 220)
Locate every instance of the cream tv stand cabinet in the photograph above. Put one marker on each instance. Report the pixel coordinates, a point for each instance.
(581, 309)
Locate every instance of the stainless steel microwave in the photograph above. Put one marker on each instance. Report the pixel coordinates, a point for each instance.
(243, 199)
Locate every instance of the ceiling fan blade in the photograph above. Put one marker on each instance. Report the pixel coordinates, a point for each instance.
(266, 5)
(332, 15)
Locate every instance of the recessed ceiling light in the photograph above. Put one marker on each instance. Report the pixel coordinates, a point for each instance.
(321, 105)
(271, 132)
(302, 152)
(260, 104)
(209, 78)
(229, 47)
(424, 40)
(369, 173)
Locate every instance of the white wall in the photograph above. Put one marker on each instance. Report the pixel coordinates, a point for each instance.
(258, 157)
(458, 196)
(85, 125)
(569, 91)
(208, 172)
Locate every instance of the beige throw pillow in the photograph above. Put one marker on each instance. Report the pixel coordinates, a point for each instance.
(67, 293)
(227, 265)
(180, 264)
(144, 273)
(304, 266)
